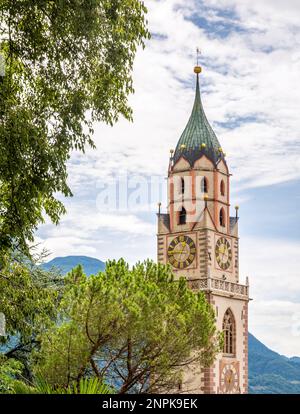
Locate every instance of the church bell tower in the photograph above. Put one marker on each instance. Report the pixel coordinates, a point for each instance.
(199, 239)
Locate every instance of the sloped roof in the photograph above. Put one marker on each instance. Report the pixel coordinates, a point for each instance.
(198, 137)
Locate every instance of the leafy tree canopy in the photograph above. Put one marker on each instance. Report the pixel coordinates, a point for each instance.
(135, 329)
(29, 299)
(29, 296)
(67, 64)
(9, 368)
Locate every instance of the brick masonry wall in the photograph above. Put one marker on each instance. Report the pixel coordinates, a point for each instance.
(208, 385)
(245, 349)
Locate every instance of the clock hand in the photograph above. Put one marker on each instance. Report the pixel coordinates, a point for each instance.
(182, 251)
(225, 253)
(175, 252)
(181, 255)
(221, 249)
(183, 245)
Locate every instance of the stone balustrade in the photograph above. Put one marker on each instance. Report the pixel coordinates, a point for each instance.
(213, 284)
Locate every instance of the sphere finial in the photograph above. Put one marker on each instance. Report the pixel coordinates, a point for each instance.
(236, 211)
(197, 68)
(159, 206)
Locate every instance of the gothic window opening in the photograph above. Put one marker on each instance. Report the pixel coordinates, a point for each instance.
(204, 185)
(222, 217)
(182, 185)
(182, 216)
(222, 188)
(229, 333)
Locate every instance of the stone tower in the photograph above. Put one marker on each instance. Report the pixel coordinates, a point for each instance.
(199, 238)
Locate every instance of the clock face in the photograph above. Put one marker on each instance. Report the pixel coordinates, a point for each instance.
(223, 253)
(229, 380)
(181, 252)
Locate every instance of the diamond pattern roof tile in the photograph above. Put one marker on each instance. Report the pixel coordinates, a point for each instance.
(198, 137)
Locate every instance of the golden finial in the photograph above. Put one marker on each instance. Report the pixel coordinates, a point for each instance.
(182, 146)
(197, 68)
(159, 206)
(203, 145)
(236, 211)
(205, 199)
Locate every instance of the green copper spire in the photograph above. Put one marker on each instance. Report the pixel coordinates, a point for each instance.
(198, 137)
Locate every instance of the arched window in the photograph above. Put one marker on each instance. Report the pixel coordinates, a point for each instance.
(229, 333)
(204, 184)
(222, 217)
(182, 216)
(182, 185)
(222, 188)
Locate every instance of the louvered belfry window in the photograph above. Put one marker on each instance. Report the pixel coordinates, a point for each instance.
(182, 216)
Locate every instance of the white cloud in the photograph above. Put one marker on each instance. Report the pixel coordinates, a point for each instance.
(86, 230)
(251, 80)
(240, 80)
(273, 269)
(277, 324)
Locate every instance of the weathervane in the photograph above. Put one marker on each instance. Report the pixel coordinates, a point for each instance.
(197, 68)
(198, 53)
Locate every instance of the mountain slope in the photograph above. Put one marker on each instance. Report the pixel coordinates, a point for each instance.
(270, 372)
(65, 264)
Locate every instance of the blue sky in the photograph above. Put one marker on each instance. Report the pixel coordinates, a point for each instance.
(251, 95)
